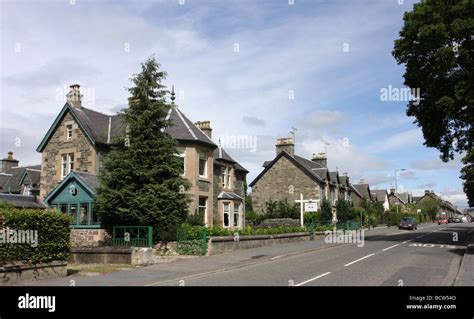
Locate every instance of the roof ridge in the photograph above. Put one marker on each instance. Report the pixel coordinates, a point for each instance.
(185, 123)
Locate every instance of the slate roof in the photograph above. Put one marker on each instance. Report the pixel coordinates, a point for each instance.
(96, 126)
(13, 183)
(89, 179)
(355, 191)
(333, 176)
(363, 190)
(21, 201)
(182, 129)
(380, 194)
(228, 195)
(344, 180)
(321, 172)
(304, 164)
(221, 155)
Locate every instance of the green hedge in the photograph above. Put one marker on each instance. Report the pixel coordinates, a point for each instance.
(52, 235)
(194, 231)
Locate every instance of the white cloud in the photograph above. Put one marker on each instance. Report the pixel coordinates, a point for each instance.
(396, 141)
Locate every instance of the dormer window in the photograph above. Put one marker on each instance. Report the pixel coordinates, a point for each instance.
(69, 131)
(203, 164)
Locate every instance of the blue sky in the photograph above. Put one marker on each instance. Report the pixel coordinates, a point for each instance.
(255, 69)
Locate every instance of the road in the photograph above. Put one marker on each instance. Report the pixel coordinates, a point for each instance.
(429, 256)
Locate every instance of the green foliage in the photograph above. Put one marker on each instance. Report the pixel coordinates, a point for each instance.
(467, 174)
(53, 236)
(343, 210)
(429, 206)
(281, 209)
(312, 217)
(5, 204)
(195, 220)
(218, 231)
(253, 218)
(326, 210)
(141, 182)
(436, 46)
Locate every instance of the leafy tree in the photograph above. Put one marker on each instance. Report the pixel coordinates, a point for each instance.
(467, 174)
(430, 206)
(326, 211)
(281, 209)
(436, 45)
(343, 210)
(141, 183)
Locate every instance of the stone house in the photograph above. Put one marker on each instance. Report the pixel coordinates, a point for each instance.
(289, 175)
(79, 139)
(446, 207)
(381, 196)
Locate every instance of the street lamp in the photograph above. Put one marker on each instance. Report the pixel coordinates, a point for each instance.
(396, 187)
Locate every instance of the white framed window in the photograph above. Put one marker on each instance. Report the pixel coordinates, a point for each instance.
(237, 215)
(67, 164)
(27, 190)
(226, 215)
(202, 208)
(181, 154)
(69, 131)
(227, 178)
(203, 164)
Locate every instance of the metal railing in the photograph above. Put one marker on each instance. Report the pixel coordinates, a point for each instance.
(132, 236)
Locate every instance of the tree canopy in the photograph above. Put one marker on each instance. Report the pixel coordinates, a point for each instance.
(436, 45)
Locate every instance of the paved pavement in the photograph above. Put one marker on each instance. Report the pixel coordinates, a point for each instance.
(430, 256)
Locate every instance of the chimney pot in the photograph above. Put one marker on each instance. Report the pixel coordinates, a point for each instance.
(321, 159)
(74, 96)
(205, 126)
(285, 144)
(10, 156)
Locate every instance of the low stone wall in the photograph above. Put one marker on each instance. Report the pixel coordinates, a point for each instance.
(12, 274)
(222, 244)
(135, 256)
(279, 222)
(89, 237)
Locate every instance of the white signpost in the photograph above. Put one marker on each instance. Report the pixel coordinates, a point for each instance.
(306, 205)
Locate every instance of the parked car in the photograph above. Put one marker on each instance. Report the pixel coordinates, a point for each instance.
(464, 219)
(408, 223)
(442, 221)
(457, 220)
(450, 220)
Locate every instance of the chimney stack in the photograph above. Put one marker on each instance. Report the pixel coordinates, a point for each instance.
(74, 96)
(205, 126)
(8, 162)
(362, 181)
(285, 144)
(321, 159)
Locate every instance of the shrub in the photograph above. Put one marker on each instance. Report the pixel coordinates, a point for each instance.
(195, 219)
(281, 209)
(53, 236)
(253, 218)
(326, 211)
(312, 217)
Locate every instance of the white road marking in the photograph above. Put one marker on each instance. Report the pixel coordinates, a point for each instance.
(353, 262)
(385, 249)
(420, 236)
(407, 241)
(312, 279)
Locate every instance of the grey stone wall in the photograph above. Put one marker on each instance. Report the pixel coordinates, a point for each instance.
(84, 155)
(283, 181)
